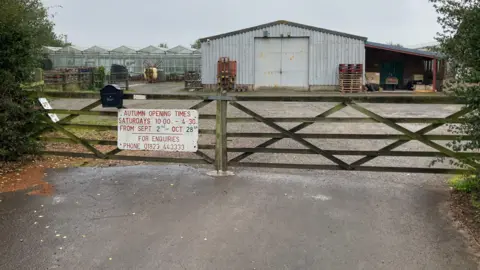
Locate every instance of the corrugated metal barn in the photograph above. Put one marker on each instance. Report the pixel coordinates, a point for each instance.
(283, 54)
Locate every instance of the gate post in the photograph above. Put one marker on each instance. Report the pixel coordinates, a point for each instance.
(221, 136)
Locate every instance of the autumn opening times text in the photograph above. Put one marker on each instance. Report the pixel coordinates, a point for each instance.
(156, 113)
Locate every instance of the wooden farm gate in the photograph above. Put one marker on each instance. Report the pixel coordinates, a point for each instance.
(220, 158)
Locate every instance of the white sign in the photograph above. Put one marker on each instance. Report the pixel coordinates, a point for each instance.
(139, 97)
(158, 130)
(46, 106)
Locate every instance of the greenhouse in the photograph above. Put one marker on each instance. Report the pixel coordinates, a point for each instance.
(177, 60)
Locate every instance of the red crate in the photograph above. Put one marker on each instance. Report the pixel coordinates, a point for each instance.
(225, 67)
(350, 68)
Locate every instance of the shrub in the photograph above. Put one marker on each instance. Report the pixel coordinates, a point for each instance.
(24, 29)
(98, 78)
(464, 183)
(19, 123)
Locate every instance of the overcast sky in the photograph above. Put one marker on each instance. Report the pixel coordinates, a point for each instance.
(141, 23)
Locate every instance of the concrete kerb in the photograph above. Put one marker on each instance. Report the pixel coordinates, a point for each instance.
(220, 173)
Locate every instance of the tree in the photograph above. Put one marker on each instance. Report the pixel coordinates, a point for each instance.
(196, 45)
(58, 41)
(460, 43)
(54, 39)
(24, 29)
(460, 31)
(163, 45)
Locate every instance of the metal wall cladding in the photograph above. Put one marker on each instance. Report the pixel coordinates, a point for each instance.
(326, 52)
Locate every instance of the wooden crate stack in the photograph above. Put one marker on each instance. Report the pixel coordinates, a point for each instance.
(350, 78)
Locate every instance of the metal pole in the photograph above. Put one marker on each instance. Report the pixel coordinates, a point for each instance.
(221, 135)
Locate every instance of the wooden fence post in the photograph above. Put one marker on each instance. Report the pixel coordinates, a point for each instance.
(221, 136)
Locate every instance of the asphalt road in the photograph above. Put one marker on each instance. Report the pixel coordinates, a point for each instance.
(178, 217)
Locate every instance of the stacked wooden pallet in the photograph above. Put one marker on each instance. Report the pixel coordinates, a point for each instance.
(193, 80)
(68, 76)
(350, 78)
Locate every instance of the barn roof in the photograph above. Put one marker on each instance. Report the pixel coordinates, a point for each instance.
(399, 49)
(261, 26)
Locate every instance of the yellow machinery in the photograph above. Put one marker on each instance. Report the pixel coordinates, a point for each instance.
(151, 74)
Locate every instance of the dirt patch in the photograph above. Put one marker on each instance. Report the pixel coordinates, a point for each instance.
(29, 175)
(466, 213)
(25, 176)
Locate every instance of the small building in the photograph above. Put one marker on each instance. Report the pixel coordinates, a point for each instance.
(282, 54)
